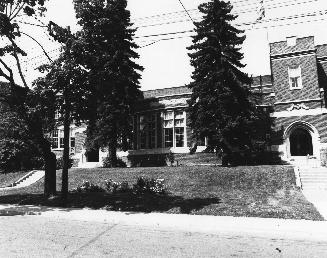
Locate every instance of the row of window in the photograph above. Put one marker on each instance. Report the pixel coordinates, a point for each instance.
(171, 127)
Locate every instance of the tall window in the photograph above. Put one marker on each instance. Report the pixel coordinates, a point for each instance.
(54, 139)
(179, 128)
(142, 130)
(168, 128)
(295, 79)
(152, 131)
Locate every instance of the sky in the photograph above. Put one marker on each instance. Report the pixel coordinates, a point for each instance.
(166, 62)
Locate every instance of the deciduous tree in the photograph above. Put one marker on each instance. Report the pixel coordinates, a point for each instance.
(29, 104)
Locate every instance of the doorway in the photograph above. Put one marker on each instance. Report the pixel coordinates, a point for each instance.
(301, 143)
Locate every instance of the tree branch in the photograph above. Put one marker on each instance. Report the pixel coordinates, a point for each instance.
(9, 77)
(18, 62)
(17, 12)
(45, 52)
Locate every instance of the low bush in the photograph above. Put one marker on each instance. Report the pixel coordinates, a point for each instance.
(87, 187)
(114, 187)
(149, 185)
(142, 186)
(60, 163)
(107, 163)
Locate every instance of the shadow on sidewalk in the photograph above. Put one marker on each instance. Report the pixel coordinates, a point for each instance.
(115, 202)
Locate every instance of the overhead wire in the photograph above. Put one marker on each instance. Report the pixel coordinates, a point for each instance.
(304, 15)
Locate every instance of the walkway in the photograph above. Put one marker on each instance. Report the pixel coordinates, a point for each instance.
(314, 186)
(99, 233)
(30, 178)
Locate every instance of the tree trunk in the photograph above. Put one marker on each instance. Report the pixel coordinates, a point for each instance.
(50, 169)
(50, 180)
(112, 152)
(64, 186)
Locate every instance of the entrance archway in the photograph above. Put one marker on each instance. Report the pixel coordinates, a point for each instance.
(301, 139)
(301, 142)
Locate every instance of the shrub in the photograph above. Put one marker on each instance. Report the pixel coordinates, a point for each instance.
(148, 160)
(147, 185)
(114, 187)
(170, 158)
(107, 163)
(87, 187)
(60, 163)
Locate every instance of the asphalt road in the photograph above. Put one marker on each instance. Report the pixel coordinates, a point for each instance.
(38, 236)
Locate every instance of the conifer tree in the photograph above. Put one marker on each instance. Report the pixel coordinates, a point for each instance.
(108, 52)
(220, 106)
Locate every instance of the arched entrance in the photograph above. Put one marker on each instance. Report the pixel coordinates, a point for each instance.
(301, 139)
(301, 142)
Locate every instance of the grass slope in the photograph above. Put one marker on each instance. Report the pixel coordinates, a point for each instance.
(259, 191)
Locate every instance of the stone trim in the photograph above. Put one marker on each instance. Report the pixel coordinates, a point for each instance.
(301, 112)
(293, 55)
(297, 101)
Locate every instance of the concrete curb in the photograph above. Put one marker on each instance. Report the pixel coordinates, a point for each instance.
(279, 228)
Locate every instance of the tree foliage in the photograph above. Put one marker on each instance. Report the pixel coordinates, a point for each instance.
(220, 105)
(27, 106)
(107, 51)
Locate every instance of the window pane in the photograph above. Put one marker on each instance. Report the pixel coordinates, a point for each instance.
(142, 131)
(152, 131)
(72, 142)
(54, 133)
(143, 140)
(168, 124)
(61, 142)
(168, 115)
(179, 115)
(179, 122)
(179, 135)
(168, 137)
(54, 143)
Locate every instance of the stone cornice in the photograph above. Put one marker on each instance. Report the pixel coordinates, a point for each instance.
(297, 101)
(293, 54)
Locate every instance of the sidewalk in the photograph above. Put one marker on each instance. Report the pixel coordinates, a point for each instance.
(319, 199)
(266, 227)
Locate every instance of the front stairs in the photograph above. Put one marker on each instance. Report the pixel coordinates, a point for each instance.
(313, 178)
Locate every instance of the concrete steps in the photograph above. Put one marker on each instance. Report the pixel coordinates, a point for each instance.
(30, 178)
(313, 178)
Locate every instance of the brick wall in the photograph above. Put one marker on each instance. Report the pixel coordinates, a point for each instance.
(302, 44)
(310, 84)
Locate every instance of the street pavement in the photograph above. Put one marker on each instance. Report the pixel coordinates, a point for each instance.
(98, 233)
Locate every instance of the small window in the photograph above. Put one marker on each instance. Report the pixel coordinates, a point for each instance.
(295, 79)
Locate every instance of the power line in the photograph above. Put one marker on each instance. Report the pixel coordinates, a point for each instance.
(320, 13)
(186, 10)
(249, 10)
(164, 34)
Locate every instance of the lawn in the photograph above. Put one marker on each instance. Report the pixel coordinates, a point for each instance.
(256, 191)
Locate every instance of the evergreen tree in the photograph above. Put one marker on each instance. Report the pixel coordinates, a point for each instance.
(108, 52)
(220, 105)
